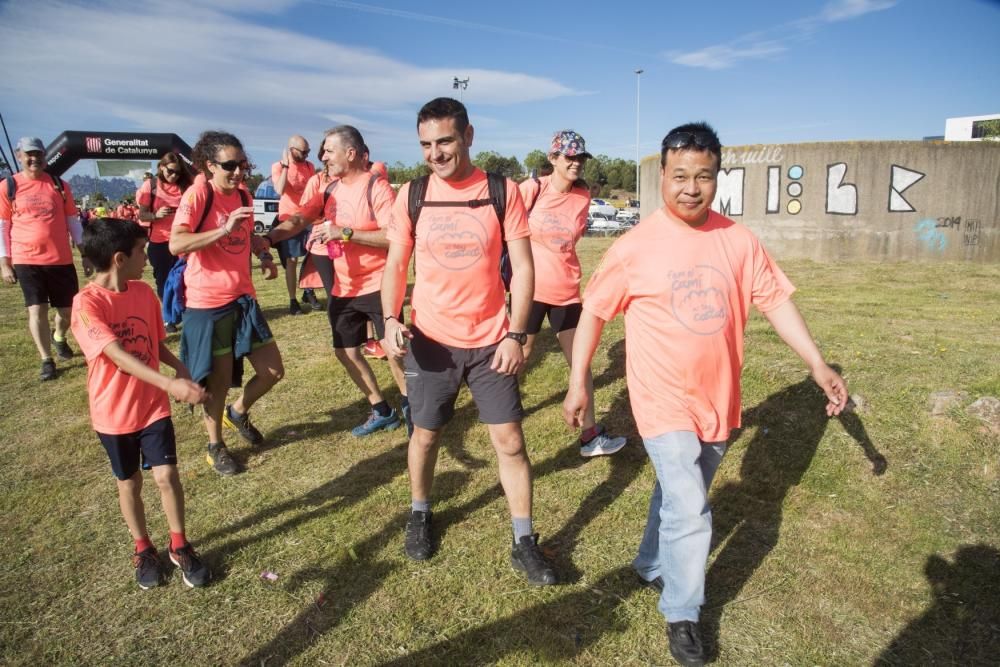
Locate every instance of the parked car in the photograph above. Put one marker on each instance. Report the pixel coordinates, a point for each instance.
(627, 215)
(599, 207)
(265, 206)
(598, 224)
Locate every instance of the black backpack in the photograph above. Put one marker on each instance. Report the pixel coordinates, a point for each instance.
(498, 198)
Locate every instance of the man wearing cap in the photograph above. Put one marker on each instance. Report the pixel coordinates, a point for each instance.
(557, 207)
(37, 218)
(289, 176)
(685, 278)
(459, 330)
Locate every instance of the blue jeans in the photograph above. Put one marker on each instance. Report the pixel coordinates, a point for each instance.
(678, 533)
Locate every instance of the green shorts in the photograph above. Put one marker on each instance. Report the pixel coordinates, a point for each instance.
(224, 336)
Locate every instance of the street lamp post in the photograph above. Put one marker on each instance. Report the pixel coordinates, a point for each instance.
(460, 85)
(638, 74)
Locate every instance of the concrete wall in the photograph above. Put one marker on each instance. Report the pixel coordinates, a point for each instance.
(892, 200)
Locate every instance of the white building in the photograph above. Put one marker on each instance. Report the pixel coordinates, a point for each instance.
(966, 128)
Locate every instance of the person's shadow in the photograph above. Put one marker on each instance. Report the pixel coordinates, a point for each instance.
(748, 512)
(962, 624)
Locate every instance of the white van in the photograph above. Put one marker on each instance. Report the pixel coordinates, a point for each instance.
(265, 206)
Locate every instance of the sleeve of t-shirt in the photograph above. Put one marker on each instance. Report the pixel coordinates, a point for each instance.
(275, 172)
(530, 190)
(607, 292)
(90, 330)
(142, 194)
(515, 224)
(400, 229)
(5, 209)
(311, 200)
(383, 197)
(70, 205)
(771, 287)
(192, 206)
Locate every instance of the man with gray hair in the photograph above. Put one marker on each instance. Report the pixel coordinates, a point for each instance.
(37, 218)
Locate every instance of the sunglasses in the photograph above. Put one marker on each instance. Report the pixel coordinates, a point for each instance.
(174, 172)
(231, 165)
(700, 139)
(304, 153)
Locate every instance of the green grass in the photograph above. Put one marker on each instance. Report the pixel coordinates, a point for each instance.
(817, 561)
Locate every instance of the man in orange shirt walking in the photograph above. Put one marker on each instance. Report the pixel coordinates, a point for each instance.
(685, 278)
(459, 330)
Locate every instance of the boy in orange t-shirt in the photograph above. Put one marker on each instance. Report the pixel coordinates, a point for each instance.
(685, 277)
(116, 319)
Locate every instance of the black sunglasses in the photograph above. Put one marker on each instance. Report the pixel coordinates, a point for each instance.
(701, 139)
(304, 152)
(175, 172)
(230, 165)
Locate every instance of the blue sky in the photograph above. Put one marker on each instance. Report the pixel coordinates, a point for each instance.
(761, 72)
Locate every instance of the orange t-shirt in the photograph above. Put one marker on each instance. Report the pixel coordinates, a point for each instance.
(298, 176)
(39, 234)
(119, 402)
(220, 273)
(359, 270)
(167, 194)
(458, 298)
(686, 294)
(311, 207)
(557, 221)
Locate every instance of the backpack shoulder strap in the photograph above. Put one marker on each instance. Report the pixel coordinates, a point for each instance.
(152, 195)
(244, 196)
(11, 188)
(534, 198)
(58, 182)
(498, 197)
(371, 185)
(209, 199)
(326, 193)
(415, 199)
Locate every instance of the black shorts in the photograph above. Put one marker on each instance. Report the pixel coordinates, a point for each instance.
(293, 248)
(349, 315)
(154, 445)
(561, 318)
(435, 372)
(55, 285)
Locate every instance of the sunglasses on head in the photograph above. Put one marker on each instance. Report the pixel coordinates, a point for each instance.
(701, 139)
(231, 165)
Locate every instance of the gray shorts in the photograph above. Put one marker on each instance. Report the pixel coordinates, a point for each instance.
(435, 372)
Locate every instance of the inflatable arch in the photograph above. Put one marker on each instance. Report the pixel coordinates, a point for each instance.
(72, 146)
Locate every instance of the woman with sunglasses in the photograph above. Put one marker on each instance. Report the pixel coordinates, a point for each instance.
(158, 198)
(223, 322)
(557, 208)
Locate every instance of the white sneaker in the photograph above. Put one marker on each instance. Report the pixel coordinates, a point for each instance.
(602, 444)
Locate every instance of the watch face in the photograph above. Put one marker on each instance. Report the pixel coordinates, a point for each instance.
(347, 232)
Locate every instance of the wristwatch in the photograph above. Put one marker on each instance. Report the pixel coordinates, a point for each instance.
(283, 165)
(346, 233)
(519, 336)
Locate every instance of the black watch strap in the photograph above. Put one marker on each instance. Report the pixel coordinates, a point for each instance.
(519, 336)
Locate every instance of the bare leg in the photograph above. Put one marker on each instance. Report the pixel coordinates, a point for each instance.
(268, 371)
(513, 466)
(38, 326)
(62, 321)
(218, 386)
(421, 457)
(171, 496)
(291, 276)
(130, 502)
(361, 373)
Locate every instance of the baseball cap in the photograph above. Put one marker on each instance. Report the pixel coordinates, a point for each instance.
(569, 143)
(25, 144)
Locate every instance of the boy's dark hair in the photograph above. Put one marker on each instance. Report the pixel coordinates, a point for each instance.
(208, 146)
(444, 107)
(103, 237)
(692, 136)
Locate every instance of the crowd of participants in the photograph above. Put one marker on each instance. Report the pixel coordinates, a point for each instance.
(684, 278)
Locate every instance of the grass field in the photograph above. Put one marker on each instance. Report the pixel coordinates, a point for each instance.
(818, 560)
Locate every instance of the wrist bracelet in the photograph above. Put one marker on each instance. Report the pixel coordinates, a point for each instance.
(391, 317)
(283, 165)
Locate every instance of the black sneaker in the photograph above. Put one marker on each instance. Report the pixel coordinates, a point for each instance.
(309, 296)
(528, 558)
(218, 457)
(48, 371)
(171, 328)
(242, 424)
(685, 643)
(194, 572)
(148, 571)
(294, 308)
(655, 584)
(62, 348)
(418, 535)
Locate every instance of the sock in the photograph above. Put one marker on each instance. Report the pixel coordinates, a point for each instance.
(57, 338)
(142, 543)
(420, 505)
(177, 540)
(589, 434)
(382, 409)
(522, 528)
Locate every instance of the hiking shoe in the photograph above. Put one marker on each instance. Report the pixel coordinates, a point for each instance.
(148, 571)
(655, 584)
(194, 572)
(602, 444)
(171, 328)
(685, 643)
(218, 457)
(528, 558)
(48, 371)
(309, 296)
(294, 308)
(373, 349)
(408, 418)
(376, 422)
(418, 535)
(62, 348)
(242, 424)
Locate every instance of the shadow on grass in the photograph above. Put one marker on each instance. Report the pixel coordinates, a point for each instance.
(962, 624)
(790, 425)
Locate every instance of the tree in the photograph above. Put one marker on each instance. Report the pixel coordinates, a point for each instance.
(536, 161)
(399, 173)
(491, 161)
(990, 128)
(252, 181)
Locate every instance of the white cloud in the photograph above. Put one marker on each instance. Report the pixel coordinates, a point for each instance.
(721, 56)
(841, 10)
